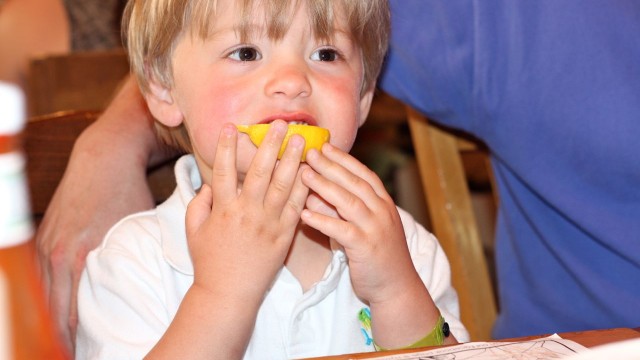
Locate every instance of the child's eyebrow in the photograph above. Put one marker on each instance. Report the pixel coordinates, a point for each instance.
(342, 32)
(245, 31)
(339, 35)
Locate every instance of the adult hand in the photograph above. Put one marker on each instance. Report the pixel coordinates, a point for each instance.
(104, 181)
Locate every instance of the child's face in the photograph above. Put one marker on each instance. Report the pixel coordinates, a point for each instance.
(297, 78)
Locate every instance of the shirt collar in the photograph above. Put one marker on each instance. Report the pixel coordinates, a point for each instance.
(171, 215)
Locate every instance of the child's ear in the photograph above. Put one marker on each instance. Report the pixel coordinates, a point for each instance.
(162, 105)
(365, 105)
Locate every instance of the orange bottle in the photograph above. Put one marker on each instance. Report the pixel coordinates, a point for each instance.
(26, 329)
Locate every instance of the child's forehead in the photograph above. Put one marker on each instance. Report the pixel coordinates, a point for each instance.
(273, 17)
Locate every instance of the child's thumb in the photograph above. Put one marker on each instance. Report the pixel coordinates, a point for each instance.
(199, 209)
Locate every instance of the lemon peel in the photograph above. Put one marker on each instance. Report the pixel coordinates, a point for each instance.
(314, 136)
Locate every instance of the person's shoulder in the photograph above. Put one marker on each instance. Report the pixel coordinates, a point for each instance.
(131, 246)
(132, 232)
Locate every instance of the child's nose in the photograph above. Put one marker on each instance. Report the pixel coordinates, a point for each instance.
(290, 81)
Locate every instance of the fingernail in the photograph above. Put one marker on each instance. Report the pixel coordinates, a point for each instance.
(308, 174)
(228, 129)
(312, 154)
(296, 141)
(280, 125)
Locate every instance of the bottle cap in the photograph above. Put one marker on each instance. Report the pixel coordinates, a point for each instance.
(12, 117)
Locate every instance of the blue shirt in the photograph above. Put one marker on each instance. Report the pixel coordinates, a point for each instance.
(553, 88)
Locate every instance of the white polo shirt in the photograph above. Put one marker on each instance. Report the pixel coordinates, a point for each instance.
(135, 280)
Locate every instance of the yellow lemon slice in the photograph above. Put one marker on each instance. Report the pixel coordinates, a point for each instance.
(314, 136)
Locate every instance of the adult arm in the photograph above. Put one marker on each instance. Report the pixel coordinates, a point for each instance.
(104, 181)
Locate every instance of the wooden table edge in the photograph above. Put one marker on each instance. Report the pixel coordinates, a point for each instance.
(589, 338)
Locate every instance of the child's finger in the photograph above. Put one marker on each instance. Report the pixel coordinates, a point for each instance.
(339, 178)
(348, 172)
(224, 179)
(296, 200)
(332, 227)
(260, 171)
(284, 175)
(317, 204)
(348, 205)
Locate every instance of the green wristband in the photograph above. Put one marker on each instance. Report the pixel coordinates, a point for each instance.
(434, 338)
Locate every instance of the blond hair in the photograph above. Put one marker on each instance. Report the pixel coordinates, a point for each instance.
(151, 27)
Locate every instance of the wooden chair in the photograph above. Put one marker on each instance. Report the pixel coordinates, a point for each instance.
(448, 198)
(48, 141)
(74, 81)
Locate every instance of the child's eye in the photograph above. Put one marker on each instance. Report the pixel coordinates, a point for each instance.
(245, 54)
(325, 55)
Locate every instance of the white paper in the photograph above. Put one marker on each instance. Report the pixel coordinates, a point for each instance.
(551, 347)
(621, 350)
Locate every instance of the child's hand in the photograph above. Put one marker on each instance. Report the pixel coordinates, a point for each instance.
(353, 207)
(238, 240)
